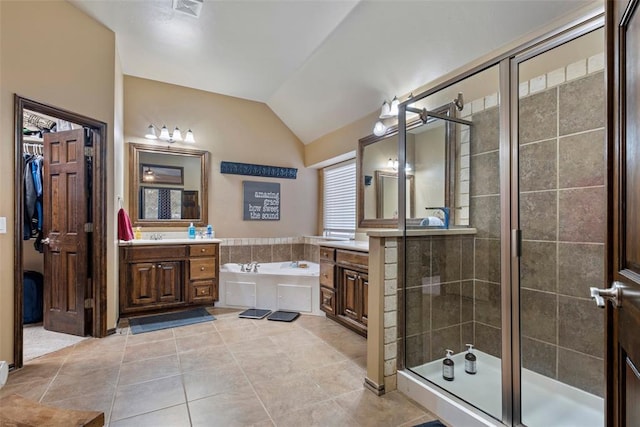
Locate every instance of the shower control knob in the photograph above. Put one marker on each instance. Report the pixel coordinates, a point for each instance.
(613, 294)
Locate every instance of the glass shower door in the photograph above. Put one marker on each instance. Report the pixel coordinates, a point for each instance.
(561, 208)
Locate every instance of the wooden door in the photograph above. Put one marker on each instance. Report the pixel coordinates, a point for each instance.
(66, 260)
(143, 283)
(623, 321)
(349, 294)
(169, 279)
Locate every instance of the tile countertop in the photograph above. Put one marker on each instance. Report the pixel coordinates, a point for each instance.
(423, 232)
(167, 241)
(355, 245)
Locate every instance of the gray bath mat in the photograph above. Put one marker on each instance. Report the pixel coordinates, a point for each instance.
(139, 325)
(284, 316)
(254, 313)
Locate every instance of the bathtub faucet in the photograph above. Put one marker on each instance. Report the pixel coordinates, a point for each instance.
(249, 267)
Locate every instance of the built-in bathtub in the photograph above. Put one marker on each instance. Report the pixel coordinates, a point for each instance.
(276, 286)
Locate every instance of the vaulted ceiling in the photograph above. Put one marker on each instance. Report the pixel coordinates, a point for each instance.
(318, 64)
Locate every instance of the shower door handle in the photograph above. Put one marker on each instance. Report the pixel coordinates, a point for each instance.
(613, 294)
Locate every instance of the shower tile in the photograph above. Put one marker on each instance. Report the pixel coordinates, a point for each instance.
(446, 305)
(418, 310)
(582, 215)
(581, 266)
(539, 357)
(487, 303)
(581, 105)
(488, 339)
(240, 254)
(487, 260)
(418, 350)
(261, 253)
(485, 174)
(538, 311)
(537, 166)
(485, 215)
(485, 133)
(538, 215)
(466, 263)
(581, 159)
(224, 255)
(581, 371)
(467, 333)
(447, 338)
(581, 326)
(537, 117)
(281, 252)
(418, 258)
(466, 301)
(446, 254)
(538, 266)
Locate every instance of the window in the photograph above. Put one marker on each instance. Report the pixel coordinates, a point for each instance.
(339, 197)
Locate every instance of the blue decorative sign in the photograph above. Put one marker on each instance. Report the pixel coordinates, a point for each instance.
(258, 170)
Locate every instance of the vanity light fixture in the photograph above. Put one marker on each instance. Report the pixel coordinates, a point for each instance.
(388, 110)
(393, 164)
(379, 128)
(176, 136)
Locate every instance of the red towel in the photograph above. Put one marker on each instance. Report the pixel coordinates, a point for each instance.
(125, 232)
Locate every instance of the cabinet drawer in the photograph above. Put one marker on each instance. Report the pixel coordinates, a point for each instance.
(327, 274)
(204, 268)
(357, 259)
(327, 300)
(203, 250)
(155, 253)
(203, 291)
(327, 253)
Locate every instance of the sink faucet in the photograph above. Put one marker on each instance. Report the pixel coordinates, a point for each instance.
(156, 236)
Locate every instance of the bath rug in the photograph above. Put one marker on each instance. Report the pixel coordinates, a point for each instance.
(254, 313)
(435, 423)
(284, 316)
(156, 322)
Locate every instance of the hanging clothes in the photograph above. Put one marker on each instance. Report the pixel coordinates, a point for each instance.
(33, 199)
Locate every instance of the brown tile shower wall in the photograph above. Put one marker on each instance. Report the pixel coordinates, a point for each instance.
(563, 202)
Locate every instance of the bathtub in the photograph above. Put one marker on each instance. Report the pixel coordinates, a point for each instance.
(276, 286)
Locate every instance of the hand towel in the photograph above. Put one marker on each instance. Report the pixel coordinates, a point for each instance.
(125, 232)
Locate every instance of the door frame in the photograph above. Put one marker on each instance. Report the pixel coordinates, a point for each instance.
(98, 239)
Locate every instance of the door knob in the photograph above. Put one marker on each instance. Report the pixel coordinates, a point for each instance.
(46, 241)
(613, 294)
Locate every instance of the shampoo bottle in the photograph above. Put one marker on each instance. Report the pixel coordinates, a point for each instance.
(209, 232)
(447, 366)
(470, 361)
(192, 231)
(138, 233)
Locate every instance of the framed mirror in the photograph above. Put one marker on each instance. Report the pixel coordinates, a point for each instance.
(430, 171)
(168, 186)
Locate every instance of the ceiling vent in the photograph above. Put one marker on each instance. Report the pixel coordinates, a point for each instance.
(188, 7)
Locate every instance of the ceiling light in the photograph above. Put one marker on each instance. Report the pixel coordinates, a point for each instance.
(188, 7)
(379, 128)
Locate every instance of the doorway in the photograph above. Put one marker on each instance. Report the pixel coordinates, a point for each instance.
(59, 228)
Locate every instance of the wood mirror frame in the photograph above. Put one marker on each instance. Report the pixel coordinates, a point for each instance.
(380, 175)
(135, 184)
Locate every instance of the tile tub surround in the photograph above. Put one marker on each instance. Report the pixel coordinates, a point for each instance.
(309, 372)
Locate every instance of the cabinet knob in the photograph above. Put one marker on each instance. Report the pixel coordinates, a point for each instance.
(201, 268)
(159, 265)
(202, 250)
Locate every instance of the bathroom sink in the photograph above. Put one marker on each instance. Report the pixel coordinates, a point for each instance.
(167, 241)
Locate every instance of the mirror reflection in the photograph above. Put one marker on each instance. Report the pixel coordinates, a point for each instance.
(168, 185)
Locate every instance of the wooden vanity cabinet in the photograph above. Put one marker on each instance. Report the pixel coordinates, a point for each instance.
(344, 286)
(163, 277)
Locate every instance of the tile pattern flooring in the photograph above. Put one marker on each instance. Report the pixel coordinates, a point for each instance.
(229, 372)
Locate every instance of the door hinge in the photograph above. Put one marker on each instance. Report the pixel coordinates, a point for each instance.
(88, 227)
(88, 151)
(88, 303)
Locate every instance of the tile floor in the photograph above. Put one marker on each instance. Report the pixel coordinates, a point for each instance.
(229, 372)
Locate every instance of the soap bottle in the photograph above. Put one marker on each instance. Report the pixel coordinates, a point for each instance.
(470, 361)
(138, 233)
(447, 366)
(209, 232)
(192, 231)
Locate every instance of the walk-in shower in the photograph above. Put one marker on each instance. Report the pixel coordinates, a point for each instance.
(530, 192)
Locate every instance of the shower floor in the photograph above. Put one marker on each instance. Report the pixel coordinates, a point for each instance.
(545, 401)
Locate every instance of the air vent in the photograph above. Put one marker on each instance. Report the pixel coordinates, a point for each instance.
(188, 7)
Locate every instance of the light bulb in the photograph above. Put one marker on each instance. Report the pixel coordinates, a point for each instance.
(394, 106)
(379, 128)
(151, 133)
(164, 134)
(385, 111)
(177, 135)
(189, 137)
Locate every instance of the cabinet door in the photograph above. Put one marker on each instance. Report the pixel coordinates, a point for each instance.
(327, 300)
(364, 282)
(350, 294)
(143, 284)
(169, 281)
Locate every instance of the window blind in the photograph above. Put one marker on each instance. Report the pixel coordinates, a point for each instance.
(339, 198)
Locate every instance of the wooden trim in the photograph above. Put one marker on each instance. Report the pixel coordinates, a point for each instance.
(99, 248)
